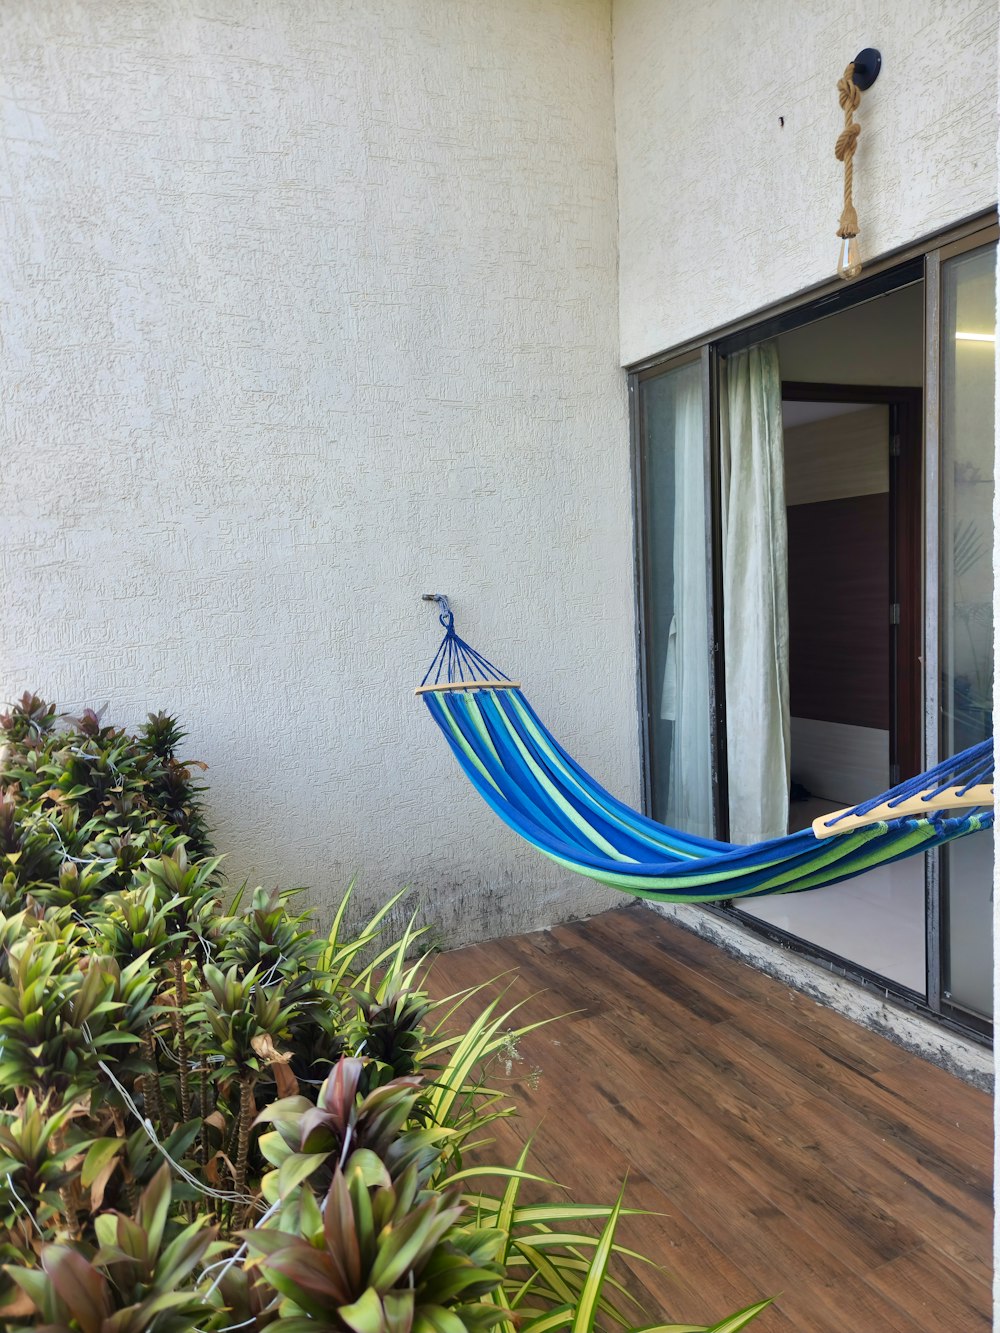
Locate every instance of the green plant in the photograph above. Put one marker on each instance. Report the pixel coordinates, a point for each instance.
(213, 1117)
(29, 716)
(381, 1257)
(310, 1141)
(135, 1280)
(37, 1168)
(244, 1020)
(59, 1019)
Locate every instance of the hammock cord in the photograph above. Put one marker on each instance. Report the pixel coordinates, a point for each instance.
(455, 658)
(971, 767)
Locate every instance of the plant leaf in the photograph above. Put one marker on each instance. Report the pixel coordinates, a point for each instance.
(296, 1168)
(78, 1285)
(552, 1319)
(100, 1152)
(365, 1315)
(740, 1319)
(586, 1310)
(373, 1169)
(154, 1208)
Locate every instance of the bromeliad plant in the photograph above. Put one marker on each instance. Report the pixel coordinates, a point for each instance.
(212, 1116)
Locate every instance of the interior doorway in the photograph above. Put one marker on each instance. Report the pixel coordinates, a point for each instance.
(852, 474)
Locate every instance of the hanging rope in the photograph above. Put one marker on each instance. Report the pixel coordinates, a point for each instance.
(454, 659)
(847, 143)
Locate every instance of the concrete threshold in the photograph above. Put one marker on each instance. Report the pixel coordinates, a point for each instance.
(863, 1004)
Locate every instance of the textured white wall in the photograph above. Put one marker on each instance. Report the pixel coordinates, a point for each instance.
(309, 306)
(723, 209)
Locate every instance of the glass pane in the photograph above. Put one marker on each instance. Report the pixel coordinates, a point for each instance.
(968, 330)
(677, 538)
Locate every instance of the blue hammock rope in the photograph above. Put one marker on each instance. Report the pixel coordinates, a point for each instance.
(455, 658)
(537, 788)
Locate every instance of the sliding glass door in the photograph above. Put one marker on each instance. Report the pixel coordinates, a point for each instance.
(876, 536)
(675, 551)
(967, 440)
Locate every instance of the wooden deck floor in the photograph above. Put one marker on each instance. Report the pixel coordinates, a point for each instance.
(789, 1152)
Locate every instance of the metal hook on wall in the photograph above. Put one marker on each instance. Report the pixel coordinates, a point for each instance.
(446, 617)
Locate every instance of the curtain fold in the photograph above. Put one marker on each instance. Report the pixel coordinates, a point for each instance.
(685, 695)
(755, 594)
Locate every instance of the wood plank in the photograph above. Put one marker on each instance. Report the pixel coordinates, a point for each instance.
(926, 1091)
(933, 1293)
(891, 1076)
(656, 1036)
(876, 1101)
(784, 1149)
(696, 1280)
(723, 1101)
(951, 1221)
(663, 970)
(779, 1255)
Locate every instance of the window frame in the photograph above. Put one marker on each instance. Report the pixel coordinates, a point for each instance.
(934, 594)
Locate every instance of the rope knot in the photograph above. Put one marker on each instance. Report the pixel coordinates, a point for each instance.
(850, 93)
(847, 140)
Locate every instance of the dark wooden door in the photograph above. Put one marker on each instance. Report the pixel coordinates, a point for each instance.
(839, 611)
(855, 588)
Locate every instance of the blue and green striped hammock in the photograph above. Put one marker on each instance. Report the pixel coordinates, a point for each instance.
(539, 791)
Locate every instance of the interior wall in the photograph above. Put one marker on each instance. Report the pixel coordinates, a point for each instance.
(879, 342)
(309, 307)
(842, 455)
(727, 115)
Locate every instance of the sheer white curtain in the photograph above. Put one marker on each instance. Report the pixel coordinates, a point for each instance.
(684, 698)
(755, 594)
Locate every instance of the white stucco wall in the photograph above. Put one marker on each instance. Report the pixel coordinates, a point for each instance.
(308, 307)
(725, 210)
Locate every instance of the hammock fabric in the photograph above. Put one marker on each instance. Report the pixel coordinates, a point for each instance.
(539, 791)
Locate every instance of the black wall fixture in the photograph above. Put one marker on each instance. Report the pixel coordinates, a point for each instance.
(867, 64)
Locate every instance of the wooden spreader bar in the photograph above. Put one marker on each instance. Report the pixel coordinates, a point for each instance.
(952, 798)
(451, 685)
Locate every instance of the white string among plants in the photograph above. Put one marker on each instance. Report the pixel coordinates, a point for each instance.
(228, 1196)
